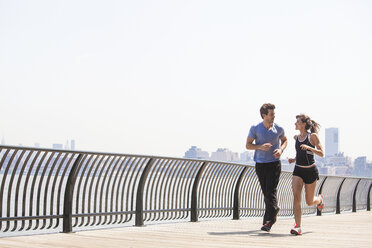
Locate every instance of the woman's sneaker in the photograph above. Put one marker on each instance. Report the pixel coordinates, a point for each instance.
(296, 230)
(320, 206)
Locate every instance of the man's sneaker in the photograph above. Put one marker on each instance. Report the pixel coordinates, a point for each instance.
(275, 216)
(296, 230)
(267, 226)
(320, 206)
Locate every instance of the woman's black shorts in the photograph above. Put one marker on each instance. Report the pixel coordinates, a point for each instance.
(309, 175)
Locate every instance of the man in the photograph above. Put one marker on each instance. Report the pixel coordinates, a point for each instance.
(267, 154)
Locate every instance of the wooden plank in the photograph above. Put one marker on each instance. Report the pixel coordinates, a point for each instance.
(344, 230)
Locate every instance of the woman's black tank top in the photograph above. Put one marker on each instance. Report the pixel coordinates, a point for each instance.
(304, 157)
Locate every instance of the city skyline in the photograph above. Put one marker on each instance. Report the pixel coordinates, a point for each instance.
(332, 140)
(145, 77)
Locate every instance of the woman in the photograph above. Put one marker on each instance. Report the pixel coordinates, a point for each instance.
(305, 172)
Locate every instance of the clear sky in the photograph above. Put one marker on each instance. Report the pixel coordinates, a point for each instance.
(155, 77)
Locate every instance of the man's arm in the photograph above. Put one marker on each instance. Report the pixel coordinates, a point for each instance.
(284, 143)
(250, 146)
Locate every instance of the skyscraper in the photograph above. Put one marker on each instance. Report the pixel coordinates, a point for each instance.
(72, 145)
(195, 152)
(331, 141)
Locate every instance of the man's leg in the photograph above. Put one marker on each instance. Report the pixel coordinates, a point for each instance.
(261, 174)
(271, 199)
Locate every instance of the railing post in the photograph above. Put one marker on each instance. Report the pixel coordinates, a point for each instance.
(140, 189)
(338, 209)
(236, 213)
(369, 198)
(354, 196)
(67, 205)
(194, 194)
(319, 213)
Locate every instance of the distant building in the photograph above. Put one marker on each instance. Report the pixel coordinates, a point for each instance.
(338, 160)
(3, 141)
(360, 166)
(224, 154)
(336, 165)
(72, 145)
(57, 146)
(193, 152)
(246, 156)
(331, 141)
(37, 145)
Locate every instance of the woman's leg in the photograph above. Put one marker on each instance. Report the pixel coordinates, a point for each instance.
(309, 192)
(297, 184)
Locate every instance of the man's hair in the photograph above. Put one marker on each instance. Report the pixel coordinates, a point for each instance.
(265, 108)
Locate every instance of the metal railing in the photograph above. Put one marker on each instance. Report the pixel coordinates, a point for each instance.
(61, 190)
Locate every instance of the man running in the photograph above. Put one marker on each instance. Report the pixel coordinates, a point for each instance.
(268, 150)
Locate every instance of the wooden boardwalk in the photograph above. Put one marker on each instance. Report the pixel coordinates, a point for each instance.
(344, 230)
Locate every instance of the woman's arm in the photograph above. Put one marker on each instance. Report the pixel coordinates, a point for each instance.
(318, 150)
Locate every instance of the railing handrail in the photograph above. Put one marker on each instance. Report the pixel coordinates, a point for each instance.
(238, 163)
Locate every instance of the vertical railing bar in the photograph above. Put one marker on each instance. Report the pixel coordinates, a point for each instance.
(33, 186)
(69, 190)
(56, 176)
(140, 189)
(41, 180)
(205, 190)
(369, 197)
(354, 196)
(96, 208)
(25, 190)
(242, 192)
(83, 168)
(217, 186)
(59, 196)
(88, 184)
(160, 172)
(111, 192)
(46, 192)
(188, 195)
(236, 213)
(4, 179)
(18, 186)
(116, 186)
(172, 185)
(228, 200)
(15, 168)
(185, 187)
(137, 166)
(154, 177)
(102, 190)
(168, 185)
(338, 208)
(123, 182)
(91, 188)
(183, 168)
(194, 194)
(76, 191)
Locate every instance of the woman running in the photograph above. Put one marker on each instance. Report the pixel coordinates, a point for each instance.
(305, 172)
